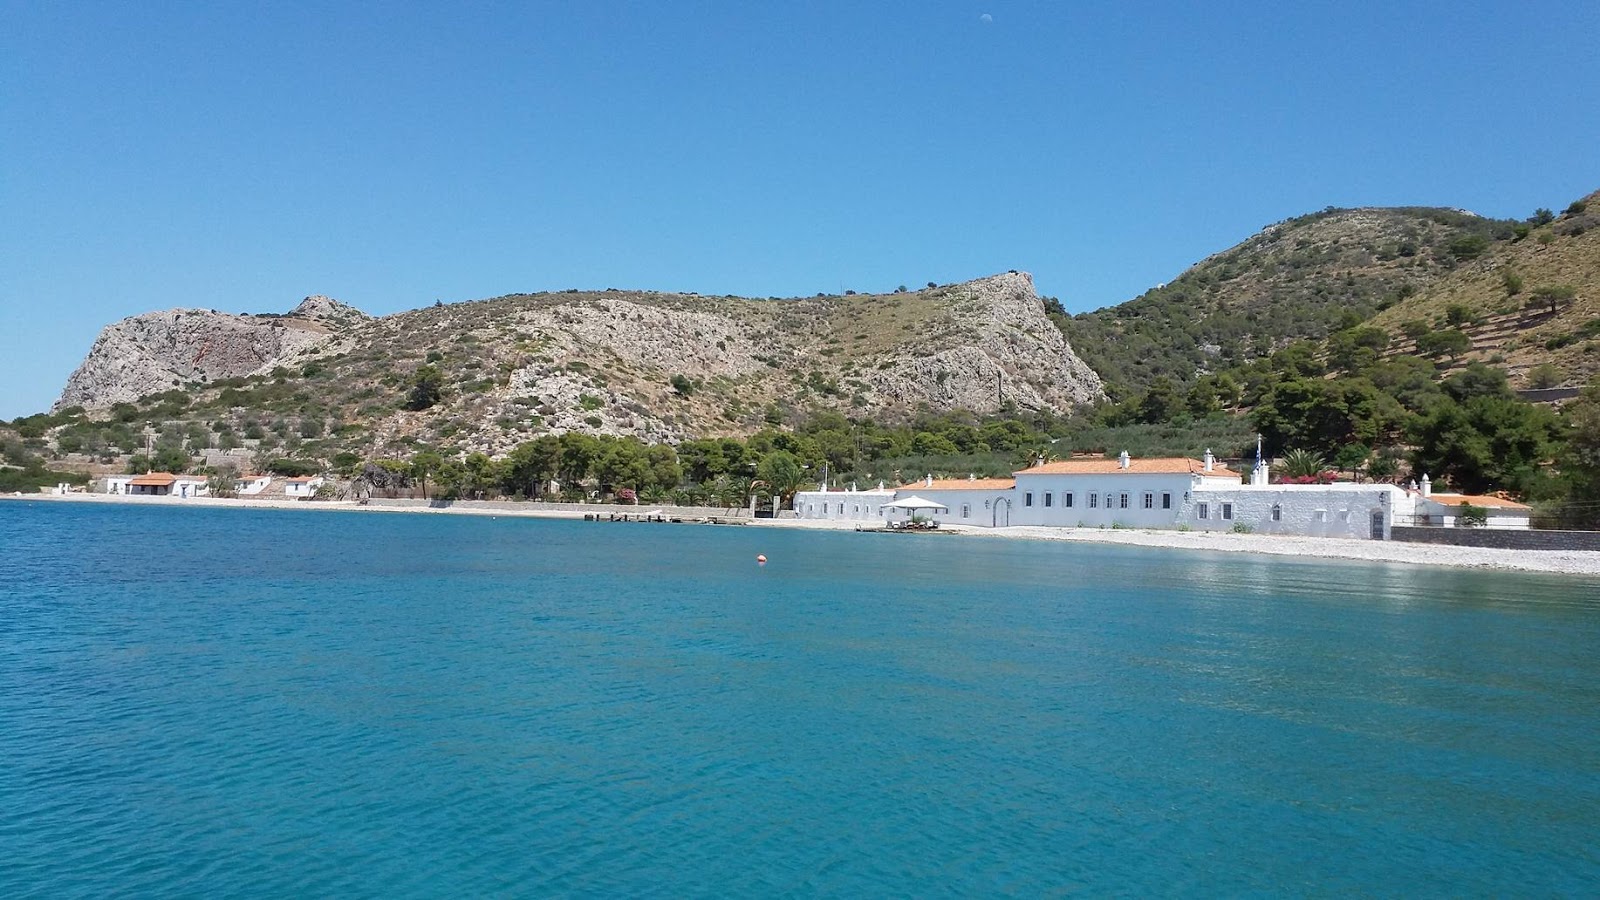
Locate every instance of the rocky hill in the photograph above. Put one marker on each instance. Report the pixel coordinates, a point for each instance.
(154, 352)
(656, 365)
(1297, 279)
(1530, 305)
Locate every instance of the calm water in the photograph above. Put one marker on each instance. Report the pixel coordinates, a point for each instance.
(230, 703)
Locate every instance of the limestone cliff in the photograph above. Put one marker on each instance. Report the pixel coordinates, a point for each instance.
(660, 366)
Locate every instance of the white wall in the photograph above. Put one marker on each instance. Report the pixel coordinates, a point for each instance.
(967, 507)
(1325, 510)
(855, 506)
(1058, 490)
(1447, 514)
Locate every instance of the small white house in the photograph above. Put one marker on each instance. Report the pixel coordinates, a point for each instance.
(119, 484)
(190, 486)
(1444, 510)
(970, 501)
(303, 486)
(151, 484)
(246, 485)
(846, 505)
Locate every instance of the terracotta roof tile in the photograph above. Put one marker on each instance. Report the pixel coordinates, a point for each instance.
(1476, 500)
(155, 479)
(961, 484)
(1170, 465)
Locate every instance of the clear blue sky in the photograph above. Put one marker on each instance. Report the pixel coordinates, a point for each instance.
(214, 155)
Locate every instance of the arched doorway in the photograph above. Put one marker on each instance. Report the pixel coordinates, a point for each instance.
(1002, 512)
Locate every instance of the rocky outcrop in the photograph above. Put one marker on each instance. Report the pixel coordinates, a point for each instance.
(154, 352)
(662, 367)
(999, 351)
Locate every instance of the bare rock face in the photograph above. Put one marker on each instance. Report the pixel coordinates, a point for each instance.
(328, 311)
(159, 351)
(996, 349)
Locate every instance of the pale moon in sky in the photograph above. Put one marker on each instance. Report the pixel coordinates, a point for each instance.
(986, 18)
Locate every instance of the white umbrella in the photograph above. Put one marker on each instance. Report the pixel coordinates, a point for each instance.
(912, 504)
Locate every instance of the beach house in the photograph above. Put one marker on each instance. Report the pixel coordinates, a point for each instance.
(158, 484)
(1445, 509)
(246, 485)
(302, 486)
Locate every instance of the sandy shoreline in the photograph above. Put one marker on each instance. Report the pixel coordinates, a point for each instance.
(1568, 562)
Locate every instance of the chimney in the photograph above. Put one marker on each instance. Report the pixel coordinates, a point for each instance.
(1122, 460)
(929, 481)
(1210, 461)
(1427, 486)
(1261, 474)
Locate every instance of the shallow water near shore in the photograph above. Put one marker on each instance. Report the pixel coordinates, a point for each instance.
(267, 703)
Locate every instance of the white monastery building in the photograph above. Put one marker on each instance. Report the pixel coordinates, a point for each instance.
(845, 505)
(1194, 494)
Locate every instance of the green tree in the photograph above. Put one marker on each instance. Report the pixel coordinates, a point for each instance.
(1354, 349)
(1321, 415)
(1458, 314)
(1580, 459)
(1477, 380)
(171, 459)
(1544, 375)
(1299, 463)
(1512, 282)
(1352, 458)
(1382, 468)
(1484, 443)
(1160, 402)
(530, 466)
(1542, 216)
(423, 465)
(578, 455)
(1449, 343)
(1468, 246)
(782, 474)
(427, 388)
(1552, 296)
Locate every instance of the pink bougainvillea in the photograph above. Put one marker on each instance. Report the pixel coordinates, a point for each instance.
(1325, 477)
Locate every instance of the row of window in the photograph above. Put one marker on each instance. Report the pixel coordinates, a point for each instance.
(1203, 511)
(1113, 501)
(811, 509)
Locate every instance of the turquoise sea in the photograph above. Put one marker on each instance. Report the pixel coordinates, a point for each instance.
(230, 703)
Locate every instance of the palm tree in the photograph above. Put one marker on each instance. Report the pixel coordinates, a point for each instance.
(1299, 463)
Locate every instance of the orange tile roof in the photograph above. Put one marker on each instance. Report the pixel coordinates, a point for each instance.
(1169, 465)
(1476, 500)
(961, 484)
(155, 479)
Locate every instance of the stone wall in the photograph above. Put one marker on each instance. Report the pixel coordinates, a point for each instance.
(1503, 538)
